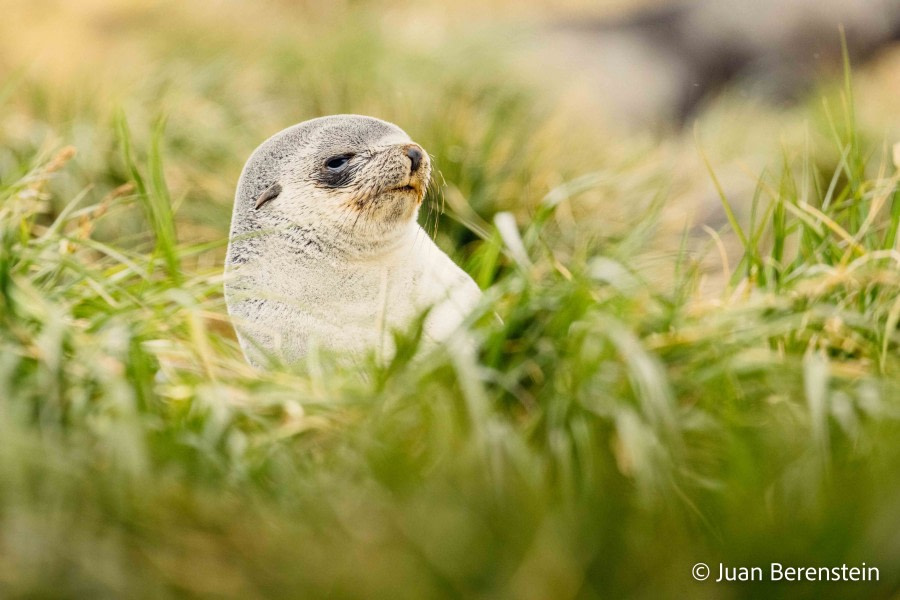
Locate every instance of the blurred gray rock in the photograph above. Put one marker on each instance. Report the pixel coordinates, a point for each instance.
(662, 64)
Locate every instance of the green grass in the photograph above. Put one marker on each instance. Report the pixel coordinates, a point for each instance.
(615, 430)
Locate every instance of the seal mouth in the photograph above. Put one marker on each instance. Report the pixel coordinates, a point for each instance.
(413, 187)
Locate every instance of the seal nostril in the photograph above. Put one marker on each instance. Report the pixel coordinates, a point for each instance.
(415, 157)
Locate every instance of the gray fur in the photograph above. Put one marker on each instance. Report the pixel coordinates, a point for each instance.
(334, 257)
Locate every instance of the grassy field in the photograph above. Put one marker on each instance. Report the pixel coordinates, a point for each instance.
(622, 423)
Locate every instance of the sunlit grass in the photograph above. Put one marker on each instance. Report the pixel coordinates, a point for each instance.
(614, 430)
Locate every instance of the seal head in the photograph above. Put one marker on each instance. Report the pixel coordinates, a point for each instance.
(347, 173)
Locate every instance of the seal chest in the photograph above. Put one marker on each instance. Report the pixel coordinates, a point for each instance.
(325, 248)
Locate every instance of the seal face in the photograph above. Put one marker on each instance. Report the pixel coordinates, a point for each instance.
(324, 246)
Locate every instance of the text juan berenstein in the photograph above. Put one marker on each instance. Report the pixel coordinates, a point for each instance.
(779, 572)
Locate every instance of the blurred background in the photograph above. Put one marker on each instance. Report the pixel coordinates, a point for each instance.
(499, 91)
(632, 415)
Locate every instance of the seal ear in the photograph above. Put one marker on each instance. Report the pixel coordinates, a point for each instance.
(270, 193)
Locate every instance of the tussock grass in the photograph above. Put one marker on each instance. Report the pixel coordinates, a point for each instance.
(613, 431)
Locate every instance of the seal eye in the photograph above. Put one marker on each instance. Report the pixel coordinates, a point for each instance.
(335, 171)
(338, 163)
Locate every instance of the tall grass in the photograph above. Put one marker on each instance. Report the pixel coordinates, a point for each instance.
(612, 433)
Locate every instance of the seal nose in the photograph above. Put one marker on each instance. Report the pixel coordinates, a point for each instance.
(415, 157)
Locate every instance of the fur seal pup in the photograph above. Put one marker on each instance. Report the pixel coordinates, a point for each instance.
(325, 248)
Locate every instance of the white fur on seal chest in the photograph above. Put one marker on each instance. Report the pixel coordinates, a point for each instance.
(325, 248)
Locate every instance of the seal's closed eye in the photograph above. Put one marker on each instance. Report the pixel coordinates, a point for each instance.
(270, 193)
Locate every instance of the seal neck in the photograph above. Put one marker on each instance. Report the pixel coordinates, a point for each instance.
(363, 245)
